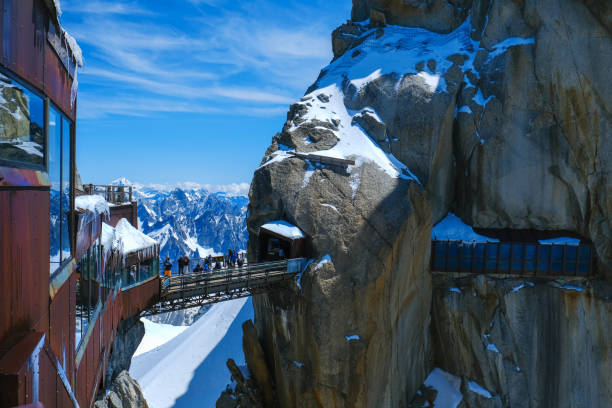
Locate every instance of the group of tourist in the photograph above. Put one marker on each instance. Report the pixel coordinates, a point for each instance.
(230, 260)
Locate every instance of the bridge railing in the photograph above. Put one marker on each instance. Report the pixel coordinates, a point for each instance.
(512, 258)
(198, 289)
(179, 282)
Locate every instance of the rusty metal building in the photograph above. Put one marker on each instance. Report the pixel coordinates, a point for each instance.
(53, 349)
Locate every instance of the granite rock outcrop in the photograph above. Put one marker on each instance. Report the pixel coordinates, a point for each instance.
(498, 111)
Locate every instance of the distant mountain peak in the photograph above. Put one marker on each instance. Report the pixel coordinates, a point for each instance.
(121, 181)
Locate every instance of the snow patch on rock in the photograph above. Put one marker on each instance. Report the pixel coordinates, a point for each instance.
(448, 387)
(454, 229)
(284, 228)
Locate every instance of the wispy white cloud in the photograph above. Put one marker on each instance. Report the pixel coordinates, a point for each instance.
(103, 7)
(94, 107)
(259, 56)
(233, 189)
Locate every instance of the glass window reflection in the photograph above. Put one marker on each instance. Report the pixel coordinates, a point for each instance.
(65, 189)
(55, 178)
(60, 191)
(22, 138)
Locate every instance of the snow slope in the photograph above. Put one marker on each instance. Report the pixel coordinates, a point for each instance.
(156, 335)
(190, 370)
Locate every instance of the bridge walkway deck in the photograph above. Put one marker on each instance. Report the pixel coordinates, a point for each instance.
(199, 289)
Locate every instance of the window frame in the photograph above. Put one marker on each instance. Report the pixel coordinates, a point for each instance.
(72, 135)
(45, 99)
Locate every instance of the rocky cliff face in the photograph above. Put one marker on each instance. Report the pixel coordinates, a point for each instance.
(533, 343)
(124, 392)
(129, 335)
(499, 111)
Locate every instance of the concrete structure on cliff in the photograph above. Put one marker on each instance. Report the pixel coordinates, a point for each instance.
(496, 111)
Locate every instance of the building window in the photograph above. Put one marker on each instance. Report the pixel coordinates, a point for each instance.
(59, 176)
(22, 139)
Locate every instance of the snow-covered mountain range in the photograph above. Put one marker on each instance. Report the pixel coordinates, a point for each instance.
(188, 219)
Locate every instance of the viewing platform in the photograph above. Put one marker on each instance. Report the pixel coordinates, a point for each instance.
(117, 195)
(120, 199)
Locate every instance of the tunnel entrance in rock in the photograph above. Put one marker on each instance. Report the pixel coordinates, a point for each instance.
(281, 240)
(459, 247)
(513, 258)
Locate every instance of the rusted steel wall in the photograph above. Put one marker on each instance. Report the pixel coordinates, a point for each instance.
(90, 370)
(15, 375)
(58, 83)
(81, 383)
(48, 382)
(62, 325)
(23, 52)
(88, 367)
(139, 298)
(128, 211)
(27, 52)
(30, 374)
(24, 261)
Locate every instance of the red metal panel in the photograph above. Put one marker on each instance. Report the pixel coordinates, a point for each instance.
(31, 39)
(24, 260)
(81, 382)
(63, 400)
(139, 298)
(58, 83)
(71, 352)
(90, 371)
(24, 52)
(47, 380)
(95, 340)
(59, 326)
(15, 379)
(128, 211)
(28, 53)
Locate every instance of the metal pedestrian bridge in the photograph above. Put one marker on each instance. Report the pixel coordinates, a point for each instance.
(199, 289)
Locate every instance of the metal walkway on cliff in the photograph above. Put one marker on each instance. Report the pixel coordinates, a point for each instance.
(199, 289)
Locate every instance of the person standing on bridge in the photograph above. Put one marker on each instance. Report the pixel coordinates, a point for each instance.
(181, 265)
(167, 267)
(186, 261)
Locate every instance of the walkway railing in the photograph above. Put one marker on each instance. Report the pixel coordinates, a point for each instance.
(112, 194)
(512, 258)
(198, 289)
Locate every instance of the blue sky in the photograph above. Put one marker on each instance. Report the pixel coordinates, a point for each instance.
(191, 90)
